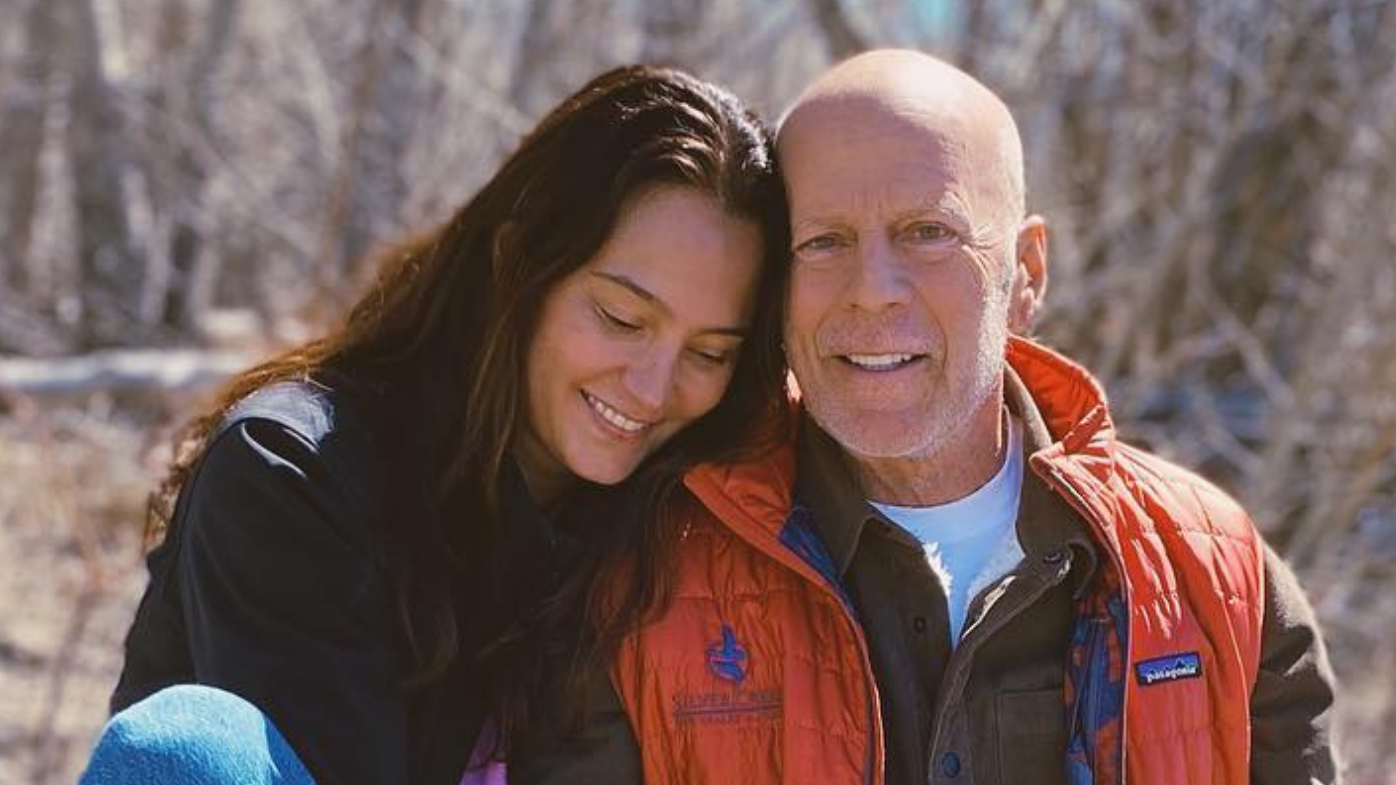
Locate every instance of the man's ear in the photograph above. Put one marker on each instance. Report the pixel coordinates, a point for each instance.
(1029, 275)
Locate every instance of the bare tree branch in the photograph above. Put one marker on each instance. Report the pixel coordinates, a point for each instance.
(840, 36)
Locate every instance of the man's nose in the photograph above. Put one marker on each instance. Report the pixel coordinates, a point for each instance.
(879, 280)
(649, 378)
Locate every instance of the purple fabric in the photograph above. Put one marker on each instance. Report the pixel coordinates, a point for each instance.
(481, 770)
(492, 773)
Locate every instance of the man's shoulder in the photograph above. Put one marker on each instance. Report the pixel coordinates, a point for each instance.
(1203, 502)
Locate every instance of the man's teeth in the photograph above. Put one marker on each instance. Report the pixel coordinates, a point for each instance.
(878, 362)
(614, 417)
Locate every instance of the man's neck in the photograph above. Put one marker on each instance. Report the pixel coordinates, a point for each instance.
(949, 471)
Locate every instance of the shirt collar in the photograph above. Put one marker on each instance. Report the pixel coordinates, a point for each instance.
(826, 483)
(1047, 525)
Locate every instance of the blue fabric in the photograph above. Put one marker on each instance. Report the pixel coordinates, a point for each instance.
(193, 735)
(1095, 686)
(799, 535)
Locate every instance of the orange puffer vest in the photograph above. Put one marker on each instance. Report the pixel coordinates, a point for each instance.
(759, 672)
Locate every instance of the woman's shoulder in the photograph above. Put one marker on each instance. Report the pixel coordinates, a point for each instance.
(322, 414)
(295, 445)
(329, 422)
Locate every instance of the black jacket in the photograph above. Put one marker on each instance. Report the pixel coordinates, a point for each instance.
(275, 583)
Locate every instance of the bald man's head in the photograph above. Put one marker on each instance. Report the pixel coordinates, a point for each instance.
(913, 262)
(907, 87)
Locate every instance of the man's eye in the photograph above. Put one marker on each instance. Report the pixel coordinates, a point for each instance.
(816, 245)
(930, 232)
(615, 322)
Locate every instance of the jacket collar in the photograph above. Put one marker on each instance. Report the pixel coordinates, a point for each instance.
(1070, 401)
(825, 481)
(1063, 410)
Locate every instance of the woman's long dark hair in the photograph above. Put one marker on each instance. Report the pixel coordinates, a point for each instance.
(445, 329)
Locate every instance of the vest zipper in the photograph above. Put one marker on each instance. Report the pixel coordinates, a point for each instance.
(810, 573)
(874, 717)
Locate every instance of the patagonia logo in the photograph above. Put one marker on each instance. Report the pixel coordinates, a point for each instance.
(1185, 665)
(727, 658)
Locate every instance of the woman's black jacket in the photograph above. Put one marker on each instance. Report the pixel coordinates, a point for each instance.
(275, 583)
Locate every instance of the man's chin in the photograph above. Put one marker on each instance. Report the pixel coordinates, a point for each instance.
(877, 434)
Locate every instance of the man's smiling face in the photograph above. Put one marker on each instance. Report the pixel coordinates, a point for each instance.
(898, 312)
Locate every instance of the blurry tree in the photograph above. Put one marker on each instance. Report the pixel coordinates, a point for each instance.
(27, 287)
(535, 44)
(178, 148)
(1218, 177)
(557, 49)
(840, 36)
(367, 187)
(673, 32)
(113, 273)
(22, 122)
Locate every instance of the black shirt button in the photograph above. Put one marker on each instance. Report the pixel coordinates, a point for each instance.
(950, 764)
(919, 624)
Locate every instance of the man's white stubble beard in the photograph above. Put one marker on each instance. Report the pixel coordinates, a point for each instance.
(952, 418)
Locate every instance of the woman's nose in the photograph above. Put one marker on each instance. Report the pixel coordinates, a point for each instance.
(649, 377)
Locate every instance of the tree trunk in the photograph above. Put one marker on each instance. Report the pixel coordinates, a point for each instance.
(535, 49)
(671, 28)
(368, 188)
(22, 140)
(840, 36)
(112, 275)
(187, 92)
(555, 54)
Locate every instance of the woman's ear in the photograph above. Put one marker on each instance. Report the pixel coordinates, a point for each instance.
(1029, 275)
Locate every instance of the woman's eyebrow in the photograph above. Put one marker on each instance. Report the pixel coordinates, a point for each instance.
(635, 288)
(650, 297)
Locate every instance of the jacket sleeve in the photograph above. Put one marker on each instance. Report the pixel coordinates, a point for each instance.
(1291, 705)
(284, 604)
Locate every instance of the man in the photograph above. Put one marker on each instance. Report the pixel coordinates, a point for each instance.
(958, 574)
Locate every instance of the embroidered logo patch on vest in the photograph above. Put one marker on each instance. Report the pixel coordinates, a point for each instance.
(731, 702)
(1184, 665)
(726, 658)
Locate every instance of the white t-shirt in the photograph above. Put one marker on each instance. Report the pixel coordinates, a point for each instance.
(972, 541)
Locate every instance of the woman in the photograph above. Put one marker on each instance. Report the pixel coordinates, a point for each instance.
(441, 518)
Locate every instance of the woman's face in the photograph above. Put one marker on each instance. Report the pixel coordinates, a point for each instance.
(638, 342)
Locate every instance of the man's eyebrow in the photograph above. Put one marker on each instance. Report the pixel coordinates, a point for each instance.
(645, 294)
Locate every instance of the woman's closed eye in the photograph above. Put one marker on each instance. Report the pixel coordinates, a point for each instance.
(617, 322)
(714, 357)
